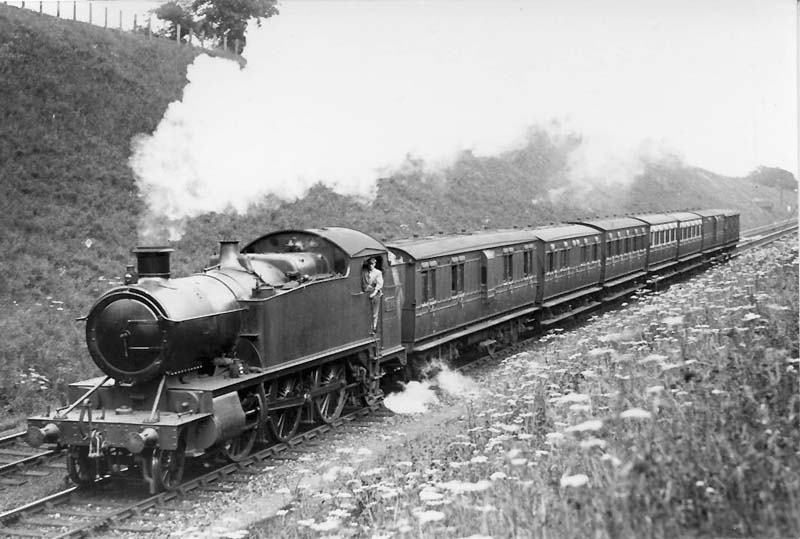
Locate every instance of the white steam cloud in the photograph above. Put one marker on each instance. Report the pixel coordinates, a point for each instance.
(418, 397)
(344, 93)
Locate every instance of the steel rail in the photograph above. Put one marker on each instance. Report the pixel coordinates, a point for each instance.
(27, 460)
(10, 438)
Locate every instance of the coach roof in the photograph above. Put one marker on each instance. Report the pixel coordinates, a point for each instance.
(711, 213)
(656, 218)
(613, 223)
(433, 246)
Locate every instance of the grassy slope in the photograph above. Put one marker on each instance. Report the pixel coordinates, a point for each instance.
(73, 95)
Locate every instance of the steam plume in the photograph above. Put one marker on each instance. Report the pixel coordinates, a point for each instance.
(342, 93)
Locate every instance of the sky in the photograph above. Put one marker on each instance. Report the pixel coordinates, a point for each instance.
(344, 92)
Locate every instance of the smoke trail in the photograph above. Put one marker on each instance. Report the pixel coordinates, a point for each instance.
(343, 93)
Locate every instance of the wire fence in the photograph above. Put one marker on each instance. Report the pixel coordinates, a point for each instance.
(132, 16)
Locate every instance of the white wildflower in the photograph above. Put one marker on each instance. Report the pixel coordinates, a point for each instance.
(327, 525)
(592, 424)
(577, 480)
(428, 516)
(459, 487)
(429, 494)
(635, 413)
(579, 408)
(592, 442)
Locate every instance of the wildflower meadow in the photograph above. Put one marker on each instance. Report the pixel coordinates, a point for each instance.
(677, 415)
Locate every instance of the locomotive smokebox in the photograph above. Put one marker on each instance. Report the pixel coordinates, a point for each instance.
(153, 262)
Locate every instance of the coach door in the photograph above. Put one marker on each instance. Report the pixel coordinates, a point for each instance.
(488, 275)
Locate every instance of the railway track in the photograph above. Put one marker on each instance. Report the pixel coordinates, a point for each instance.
(79, 512)
(19, 462)
(765, 234)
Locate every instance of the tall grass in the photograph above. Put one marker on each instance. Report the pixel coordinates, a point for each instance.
(678, 416)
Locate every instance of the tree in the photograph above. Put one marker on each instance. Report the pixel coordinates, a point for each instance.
(229, 18)
(773, 177)
(178, 14)
(217, 20)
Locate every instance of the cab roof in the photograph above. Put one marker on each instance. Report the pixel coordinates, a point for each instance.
(352, 242)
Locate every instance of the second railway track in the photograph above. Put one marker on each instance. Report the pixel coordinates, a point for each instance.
(19, 463)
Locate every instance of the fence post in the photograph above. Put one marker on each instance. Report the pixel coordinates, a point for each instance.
(236, 46)
(191, 35)
(40, 7)
(149, 27)
(178, 34)
(74, 10)
(225, 43)
(105, 20)
(90, 13)
(135, 25)
(58, 9)
(23, 4)
(120, 19)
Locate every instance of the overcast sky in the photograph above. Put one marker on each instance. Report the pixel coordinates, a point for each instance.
(715, 80)
(343, 92)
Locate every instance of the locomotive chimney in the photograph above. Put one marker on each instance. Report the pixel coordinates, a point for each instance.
(229, 254)
(153, 262)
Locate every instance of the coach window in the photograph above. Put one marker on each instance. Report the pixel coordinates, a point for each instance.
(551, 261)
(527, 263)
(564, 259)
(628, 245)
(457, 276)
(508, 267)
(595, 254)
(584, 254)
(428, 285)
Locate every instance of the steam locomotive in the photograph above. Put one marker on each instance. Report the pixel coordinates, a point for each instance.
(280, 331)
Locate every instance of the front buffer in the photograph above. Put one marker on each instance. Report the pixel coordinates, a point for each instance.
(113, 427)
